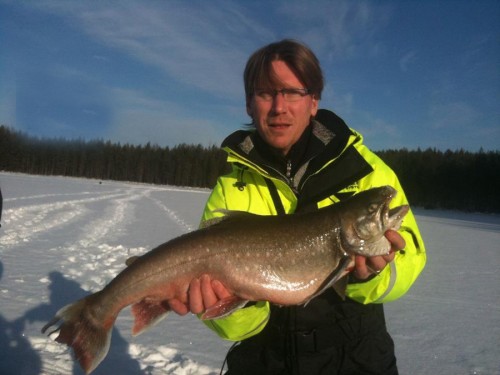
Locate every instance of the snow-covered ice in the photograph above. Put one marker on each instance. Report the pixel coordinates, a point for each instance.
(62, 238)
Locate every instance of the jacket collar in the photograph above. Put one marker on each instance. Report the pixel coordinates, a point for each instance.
(324, 139)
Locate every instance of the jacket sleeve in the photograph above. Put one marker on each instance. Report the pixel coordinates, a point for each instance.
(247, 321)
(397, 278)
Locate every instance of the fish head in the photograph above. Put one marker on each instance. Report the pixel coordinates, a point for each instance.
(366, 218)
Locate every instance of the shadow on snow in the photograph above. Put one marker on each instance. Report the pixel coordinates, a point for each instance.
(17, 356)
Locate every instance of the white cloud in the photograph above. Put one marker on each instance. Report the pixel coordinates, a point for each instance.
(101, 58)
(202, 44)
(338, 29)
(377, 127)
(206, 44)
(453, 116)
(406, 60)
(342, 103)
(138, 119)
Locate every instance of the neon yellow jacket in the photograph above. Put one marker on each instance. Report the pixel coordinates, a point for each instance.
(349, 168)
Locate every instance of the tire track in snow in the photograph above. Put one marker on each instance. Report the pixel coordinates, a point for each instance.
(95, 250)
(101, 262)
(22, 224)
(85, 251)
(45, 196)
(172, 214)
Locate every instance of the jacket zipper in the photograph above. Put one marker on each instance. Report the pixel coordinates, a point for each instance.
(287, 177)
(289, 170)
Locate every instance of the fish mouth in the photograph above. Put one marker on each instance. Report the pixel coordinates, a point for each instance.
(392, 217)
(381, 217)
(364, 234)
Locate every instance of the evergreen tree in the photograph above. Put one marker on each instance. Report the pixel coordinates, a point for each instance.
(431, 178)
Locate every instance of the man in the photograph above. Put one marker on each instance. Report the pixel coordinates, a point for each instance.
(300, 158)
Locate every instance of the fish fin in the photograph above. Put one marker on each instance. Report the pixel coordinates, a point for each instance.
(217, 220)
(233, 214)
(147, 313)
(79, 330)
(337, 274)
(224, 308)
(131, 260)
(211, 222)
(340, 286)
(228, 216)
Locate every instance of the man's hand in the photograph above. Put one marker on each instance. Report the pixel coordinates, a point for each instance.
(202, 294)
(365, 267)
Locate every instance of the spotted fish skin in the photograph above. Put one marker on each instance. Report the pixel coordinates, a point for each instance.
(286, 260)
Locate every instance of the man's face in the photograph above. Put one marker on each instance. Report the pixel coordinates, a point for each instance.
(279, 122)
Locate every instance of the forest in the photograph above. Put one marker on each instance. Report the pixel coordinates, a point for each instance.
(433, 179)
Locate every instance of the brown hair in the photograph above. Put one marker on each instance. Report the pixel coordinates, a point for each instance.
(299, 58)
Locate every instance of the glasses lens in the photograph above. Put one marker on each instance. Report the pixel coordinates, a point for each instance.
(293, 95)
(264, 95)
(290, 95)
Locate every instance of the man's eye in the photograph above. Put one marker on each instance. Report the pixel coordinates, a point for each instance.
(291, 93)
(264, 94)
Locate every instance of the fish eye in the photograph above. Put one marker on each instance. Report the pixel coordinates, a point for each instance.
(373, 207)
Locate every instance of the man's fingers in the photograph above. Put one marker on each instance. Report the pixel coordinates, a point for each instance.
(361, 271)
(220, 290)
(195, 298)
(207, 292)
(396, 240)
(377, 264)
(389, 257)
(365, 267)
(203, 293)
(178, 307)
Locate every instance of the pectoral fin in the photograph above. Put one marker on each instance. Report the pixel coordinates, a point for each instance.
(131, 260)
(336, 279)
(224, 308)
(340, 286)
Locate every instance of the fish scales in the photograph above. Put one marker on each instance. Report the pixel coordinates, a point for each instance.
(236, 252)
(256, 267)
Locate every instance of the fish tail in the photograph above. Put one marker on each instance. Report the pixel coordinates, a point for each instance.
(147, 313)
(79, 329)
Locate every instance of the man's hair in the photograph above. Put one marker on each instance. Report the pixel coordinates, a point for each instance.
(297, 56)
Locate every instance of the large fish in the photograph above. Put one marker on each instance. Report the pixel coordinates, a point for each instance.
(287, 260)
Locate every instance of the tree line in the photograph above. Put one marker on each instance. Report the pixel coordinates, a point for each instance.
(182, 165)
(458, 180)
(431, 178)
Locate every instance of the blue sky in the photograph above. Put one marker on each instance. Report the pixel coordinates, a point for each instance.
(404, 73)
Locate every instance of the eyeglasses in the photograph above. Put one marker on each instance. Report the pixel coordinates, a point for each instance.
(290, 95)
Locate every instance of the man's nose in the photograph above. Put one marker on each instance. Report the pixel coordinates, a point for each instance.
(279, 103)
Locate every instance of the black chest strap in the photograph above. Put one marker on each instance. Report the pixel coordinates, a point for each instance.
(278, 204)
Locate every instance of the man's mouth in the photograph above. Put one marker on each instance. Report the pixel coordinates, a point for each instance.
(279, 125)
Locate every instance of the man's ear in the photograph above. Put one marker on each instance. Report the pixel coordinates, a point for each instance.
(314, 106)
(249, 107)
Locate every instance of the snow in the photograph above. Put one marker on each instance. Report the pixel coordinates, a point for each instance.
(62, 238)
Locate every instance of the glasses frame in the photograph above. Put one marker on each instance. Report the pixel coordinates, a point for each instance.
(289, 94)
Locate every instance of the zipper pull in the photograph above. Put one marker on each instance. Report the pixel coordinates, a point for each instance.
(288, 169)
